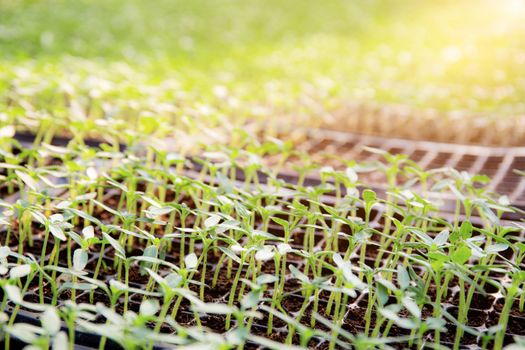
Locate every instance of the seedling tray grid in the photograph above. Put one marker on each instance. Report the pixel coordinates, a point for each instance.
(498, 163)
(487, 303)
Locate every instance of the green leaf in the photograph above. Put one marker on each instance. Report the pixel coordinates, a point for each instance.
(27, 179)
(7, 131)
(80, 259)
(230, 254)
(387, 284)
(403, 277)
(435, 323)
(284, 248)
(7, 165)
(161, 281)
(382, 294)
(456, 192)
(13, 292)
(24, 331)
(213, 308)
(39, 217)
(489, 214)
(461, 255)
(50, 321)
(173, 280)
(273, 345)
(437, 256)
(156, 212)
(88, 232)
(60, 342)
(265, 253)
(496, 248)
(212, 221)
(77, 286)
(369, 196)
(117, 286)
(149, 307)
(4, 252)
(351, 278)
(116, 245)
(412, 307)
(87, 196)
(251, 299)
(338, 260)
(57, 231)
(454, 236)
(266, 235)
(281, 222)
(152, 202)
(86, 216)
(148, 124)
(442, 238)
(465, 230)
(399, 321)
(108, 209)
(117, 184)
(63, 205)
(191, 261)
(266, 278)
(298, 274)
(351, 174)
(20, 271)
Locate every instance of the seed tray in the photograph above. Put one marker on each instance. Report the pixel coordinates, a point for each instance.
(498, 163)
(489, 310)
(275, 230)
(454, 127)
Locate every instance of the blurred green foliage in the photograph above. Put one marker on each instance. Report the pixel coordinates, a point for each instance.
(448, 55)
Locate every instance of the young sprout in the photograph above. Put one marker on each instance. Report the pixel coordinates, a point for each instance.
(346, 285)
(173, 230)
(512, 291)
(310, 287)
(14, 288)
(170, 288)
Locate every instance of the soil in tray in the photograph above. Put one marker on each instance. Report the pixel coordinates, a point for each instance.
(6, 193)
(355, 316)
(106, 267)
(449, 336)
(112, 198)
(354, 322)
(37, 231)
(515, 310)
(37, 247)
(98, 297)
(479, 301)
(475, 318)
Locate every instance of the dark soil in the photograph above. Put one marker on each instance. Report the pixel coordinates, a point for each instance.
(485, 309)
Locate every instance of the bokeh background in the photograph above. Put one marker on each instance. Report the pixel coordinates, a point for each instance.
(457, 64)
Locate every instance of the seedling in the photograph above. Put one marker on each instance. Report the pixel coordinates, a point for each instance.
(159, 249)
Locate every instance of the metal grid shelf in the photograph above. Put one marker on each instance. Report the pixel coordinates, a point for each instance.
(498, 163)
